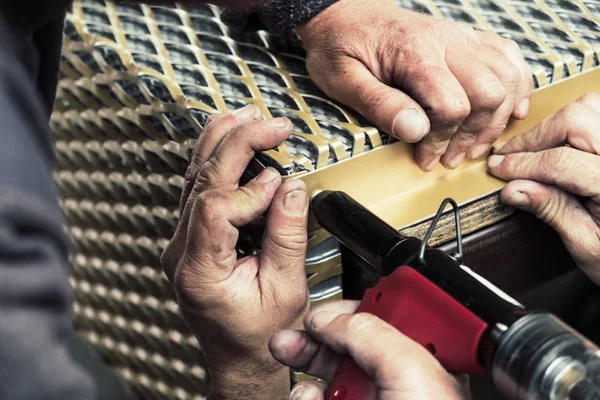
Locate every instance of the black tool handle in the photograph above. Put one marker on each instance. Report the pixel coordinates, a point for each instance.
(353, 225)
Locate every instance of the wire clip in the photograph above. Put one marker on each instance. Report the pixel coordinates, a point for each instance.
(459, 256)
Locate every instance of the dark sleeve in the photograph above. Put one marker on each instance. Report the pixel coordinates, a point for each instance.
(276, 15)
(35, 320)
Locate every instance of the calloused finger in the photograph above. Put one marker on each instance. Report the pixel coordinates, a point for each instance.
(489, 96)
(225, 167)
(338, 306)
(575, 124)
(284, 244)
(509, 74)
(214, 131)
(563, 212)
(299, 351)
(429, 79)
(383, 353)
(390, 109)
(214, 218)
(286, 237)
(572, 170)
(510, 49)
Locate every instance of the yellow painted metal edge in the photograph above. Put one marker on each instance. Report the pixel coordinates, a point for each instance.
(388, 182)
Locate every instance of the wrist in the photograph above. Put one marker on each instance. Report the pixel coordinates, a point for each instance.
(340, 17)
(320, 24)
(247, 379)
(304, 30)
(243, 371)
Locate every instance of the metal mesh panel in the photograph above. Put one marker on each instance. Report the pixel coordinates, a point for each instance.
(138, 83)
(559, 38)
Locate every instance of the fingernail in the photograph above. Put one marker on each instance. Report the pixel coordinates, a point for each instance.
(410, 125)
(322, 319)
(278, 122)
(297, 392)
(209, 121)
(519, 200)
(523, 108)
(478, 151)
(430, 166)
(295, 202)
(267, 175)
(494, 161)
(306, 392)
(498, 146)
(456, 160)
(250, 111)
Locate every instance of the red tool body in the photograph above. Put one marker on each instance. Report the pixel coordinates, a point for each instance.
(468, 324)
(420, 310)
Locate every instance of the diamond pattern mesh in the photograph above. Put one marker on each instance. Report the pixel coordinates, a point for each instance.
(138, 83)
(559, 38)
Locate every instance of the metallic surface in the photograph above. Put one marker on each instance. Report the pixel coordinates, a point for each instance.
(540, 357)
(137, 84)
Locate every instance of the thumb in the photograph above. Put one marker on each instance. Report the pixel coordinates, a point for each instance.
(308, 390)
(285, 239)
(394, 361)
(565, 214)
(388, 108)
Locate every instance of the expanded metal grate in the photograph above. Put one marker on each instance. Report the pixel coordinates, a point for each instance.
(137, 84)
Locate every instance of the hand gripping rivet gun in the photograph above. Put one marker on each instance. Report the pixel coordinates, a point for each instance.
(467, 323)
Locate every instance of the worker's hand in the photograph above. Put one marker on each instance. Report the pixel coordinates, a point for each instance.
(235, 305)
(401, 368)
(559, 184)
(418, 78)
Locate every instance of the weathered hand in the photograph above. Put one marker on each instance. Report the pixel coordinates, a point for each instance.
(235, 305)
(561, 185)
(412, 75)
(401, 368)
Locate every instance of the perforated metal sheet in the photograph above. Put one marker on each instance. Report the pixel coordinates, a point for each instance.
(138, 83)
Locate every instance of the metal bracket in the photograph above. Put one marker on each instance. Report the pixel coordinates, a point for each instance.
(459, 256)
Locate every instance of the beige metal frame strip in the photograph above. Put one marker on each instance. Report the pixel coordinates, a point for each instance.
(388, 182)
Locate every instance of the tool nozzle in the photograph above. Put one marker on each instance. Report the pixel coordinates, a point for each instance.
(352, 224)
